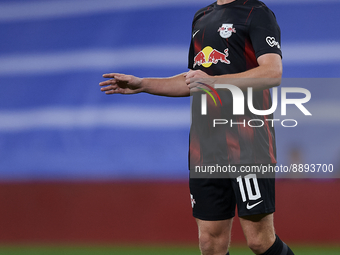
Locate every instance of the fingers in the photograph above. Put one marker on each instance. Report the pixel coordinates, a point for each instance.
(108, 82)
(117, 76)
(110, 87)
(189, 79)
(111, 83)
(194, 75)
(188, 76)
(115, 85)
(113, 90)
(110, 91)
(111, 75)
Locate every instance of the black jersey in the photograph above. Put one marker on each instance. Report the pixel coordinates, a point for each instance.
(228, 39)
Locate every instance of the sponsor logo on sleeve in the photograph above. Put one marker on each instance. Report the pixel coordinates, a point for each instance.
(272, 42)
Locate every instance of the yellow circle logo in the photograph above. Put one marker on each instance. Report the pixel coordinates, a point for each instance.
(206, 51)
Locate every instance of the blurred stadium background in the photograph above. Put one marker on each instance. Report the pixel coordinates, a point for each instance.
(81, 168)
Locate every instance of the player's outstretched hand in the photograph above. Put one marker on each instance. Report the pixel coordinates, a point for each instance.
(121, 84)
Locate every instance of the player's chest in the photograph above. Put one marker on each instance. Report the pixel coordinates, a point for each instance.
(221, 27)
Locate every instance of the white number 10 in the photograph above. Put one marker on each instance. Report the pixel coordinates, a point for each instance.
(251, 195)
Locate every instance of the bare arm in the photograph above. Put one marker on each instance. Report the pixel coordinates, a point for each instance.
(128, 84)
(266, 75)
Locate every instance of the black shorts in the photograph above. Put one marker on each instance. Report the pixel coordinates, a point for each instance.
(216, 199)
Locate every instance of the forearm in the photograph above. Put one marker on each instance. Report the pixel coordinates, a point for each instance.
(265, 76)
(172, 87)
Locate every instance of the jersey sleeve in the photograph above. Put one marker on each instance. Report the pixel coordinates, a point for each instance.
(197, 16)
(191, 55)
(191, 48)
(264, 32)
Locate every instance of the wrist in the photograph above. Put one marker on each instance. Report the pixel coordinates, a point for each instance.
(143, 85)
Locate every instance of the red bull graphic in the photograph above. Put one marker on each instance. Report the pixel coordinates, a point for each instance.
(209, 56)
(199, 59)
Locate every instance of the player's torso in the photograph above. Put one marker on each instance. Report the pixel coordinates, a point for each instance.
(221, 44)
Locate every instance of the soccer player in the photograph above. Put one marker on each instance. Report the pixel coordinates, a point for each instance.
(238, 40)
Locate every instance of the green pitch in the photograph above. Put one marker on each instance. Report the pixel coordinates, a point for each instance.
(140, 250)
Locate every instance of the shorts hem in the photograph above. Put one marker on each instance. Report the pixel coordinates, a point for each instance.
(214, 217)
(268, 211)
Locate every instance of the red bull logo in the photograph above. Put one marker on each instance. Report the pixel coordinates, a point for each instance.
(209, 56)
